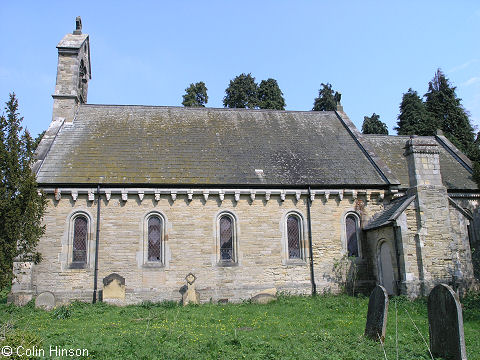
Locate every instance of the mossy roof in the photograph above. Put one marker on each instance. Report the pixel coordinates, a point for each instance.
(204, 146)
(391, 150)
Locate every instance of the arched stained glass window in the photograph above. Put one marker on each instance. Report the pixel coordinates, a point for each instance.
(294, 240)
(226, 238)
(351, 229)
(80, 230)
(155, 234)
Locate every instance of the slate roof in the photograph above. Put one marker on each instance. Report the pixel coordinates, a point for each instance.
(71, 41)
(391, 212)
(113, 144)
(391, 149)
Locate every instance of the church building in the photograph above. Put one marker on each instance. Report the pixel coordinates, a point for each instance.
(245, 200)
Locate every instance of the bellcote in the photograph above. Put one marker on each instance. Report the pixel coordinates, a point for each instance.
(74, 70)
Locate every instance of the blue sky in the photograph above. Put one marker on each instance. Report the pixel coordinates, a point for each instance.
(149, 52)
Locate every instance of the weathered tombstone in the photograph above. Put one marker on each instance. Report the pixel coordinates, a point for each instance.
(113, 289)
(445, 324)
(45, 301)
(265, 296)
(191, 296)
(377, 314)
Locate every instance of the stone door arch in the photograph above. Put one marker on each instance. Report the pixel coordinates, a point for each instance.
(385, 267)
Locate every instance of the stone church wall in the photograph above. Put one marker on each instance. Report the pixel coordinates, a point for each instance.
(461, 270)
(473, 207)
(190, 246)
(438, 251)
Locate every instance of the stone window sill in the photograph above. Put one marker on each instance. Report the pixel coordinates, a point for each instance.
(153, 265)
(227, 263)
(295, 262)
(77, 265)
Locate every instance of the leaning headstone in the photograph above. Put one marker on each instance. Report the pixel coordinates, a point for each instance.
(377, 314)
(45, 301)
(113, 289)
(191, 296)
(445, 324)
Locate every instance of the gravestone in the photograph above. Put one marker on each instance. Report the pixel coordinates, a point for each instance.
(445, 324)
(45, 301)
(265, 296)
(377, 314)
(113, 289)
(191, 296)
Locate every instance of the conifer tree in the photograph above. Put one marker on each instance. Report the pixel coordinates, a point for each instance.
(326, 99)
(21, 208)
(474, 155)
(38, 139)
(476, 173)
(414, 119)
(373, 125)
(242, 92)
(270, 96)
(195, 95)
(442, 103)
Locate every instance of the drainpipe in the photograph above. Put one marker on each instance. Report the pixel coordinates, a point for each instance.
(309, 222)
(95, 273)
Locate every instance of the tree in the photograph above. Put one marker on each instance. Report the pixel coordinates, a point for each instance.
(38, 139)
(474, 153)
(373, 125)
(242, 92)
(449, 115)
(326, 99)
(270, 96)
(195, 95)
(476, 173)
(475, 157)
(21, 208)
(414, 119)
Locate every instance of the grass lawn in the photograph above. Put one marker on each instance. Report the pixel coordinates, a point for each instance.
(322, 327)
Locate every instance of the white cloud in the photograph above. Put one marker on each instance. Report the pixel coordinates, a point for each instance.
(462, 66)
(471, 81)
